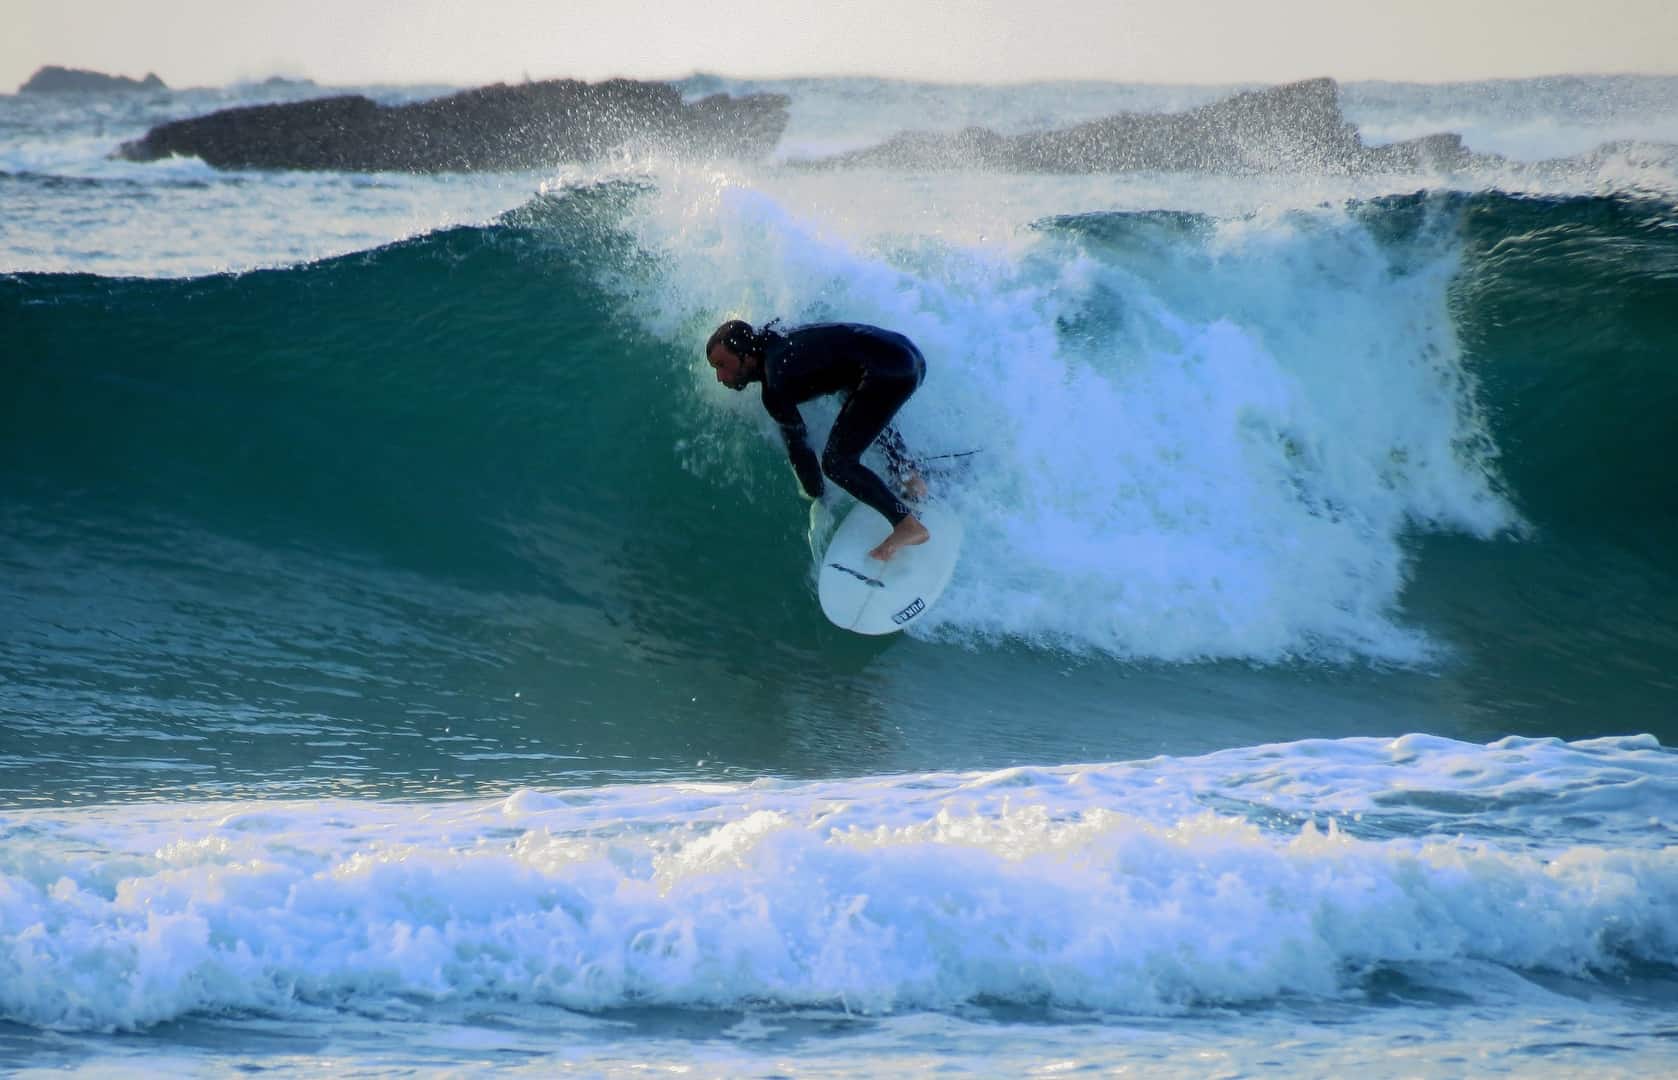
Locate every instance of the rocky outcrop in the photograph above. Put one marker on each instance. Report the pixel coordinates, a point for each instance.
(529, 125)
(283, 82)
(53, 80)
(1293, 128)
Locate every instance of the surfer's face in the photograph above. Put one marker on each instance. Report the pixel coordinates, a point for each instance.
(733, 371)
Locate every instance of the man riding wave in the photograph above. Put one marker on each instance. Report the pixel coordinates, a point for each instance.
(877, 370)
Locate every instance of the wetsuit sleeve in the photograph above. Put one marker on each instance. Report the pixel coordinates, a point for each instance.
(804, 460)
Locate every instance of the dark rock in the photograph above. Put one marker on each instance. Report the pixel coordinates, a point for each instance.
(282, 82)
(53, 80)
(1428, 152)
(529, 125)
(1293, 128)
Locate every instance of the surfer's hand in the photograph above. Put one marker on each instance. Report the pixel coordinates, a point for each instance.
(915, 487)
(822, 521)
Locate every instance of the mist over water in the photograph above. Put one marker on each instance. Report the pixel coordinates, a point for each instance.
(409, 634)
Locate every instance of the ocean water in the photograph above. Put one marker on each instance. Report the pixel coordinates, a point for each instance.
(410, 662)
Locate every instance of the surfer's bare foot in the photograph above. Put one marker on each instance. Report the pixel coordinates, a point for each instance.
(907, 533)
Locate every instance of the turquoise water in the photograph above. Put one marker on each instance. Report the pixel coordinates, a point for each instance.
(410, 662)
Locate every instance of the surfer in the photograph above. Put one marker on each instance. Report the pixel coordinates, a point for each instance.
(876, 369)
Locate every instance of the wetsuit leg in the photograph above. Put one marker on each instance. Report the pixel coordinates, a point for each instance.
(861, 420)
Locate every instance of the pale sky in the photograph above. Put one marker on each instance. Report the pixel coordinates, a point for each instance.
(210, 42)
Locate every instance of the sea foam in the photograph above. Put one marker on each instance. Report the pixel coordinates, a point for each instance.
(1196, 437)
(1103, 887)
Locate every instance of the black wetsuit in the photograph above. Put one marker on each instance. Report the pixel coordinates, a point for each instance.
(877, 369)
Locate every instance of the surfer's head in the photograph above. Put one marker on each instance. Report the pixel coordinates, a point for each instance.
(735, 353)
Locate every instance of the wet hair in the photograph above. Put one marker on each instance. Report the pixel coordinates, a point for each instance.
(736, 334)
(741, 339)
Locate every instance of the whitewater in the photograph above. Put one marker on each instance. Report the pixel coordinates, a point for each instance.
(410, 661)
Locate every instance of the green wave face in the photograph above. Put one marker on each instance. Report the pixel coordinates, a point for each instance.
(468, 405)
(493, 457)
(1567, 311)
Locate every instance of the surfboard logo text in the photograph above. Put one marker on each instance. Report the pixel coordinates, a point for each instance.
(873, 583)
(909, 612)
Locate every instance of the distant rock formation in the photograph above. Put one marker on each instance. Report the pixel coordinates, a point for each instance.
(282, 82)
(1293, 128)
(529, 125)
(57, 80)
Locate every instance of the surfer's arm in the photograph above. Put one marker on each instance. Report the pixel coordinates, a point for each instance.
(797, 439)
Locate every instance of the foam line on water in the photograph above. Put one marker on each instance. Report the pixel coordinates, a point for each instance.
(1105, 887)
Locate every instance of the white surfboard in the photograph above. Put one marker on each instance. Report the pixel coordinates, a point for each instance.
(872, 597)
